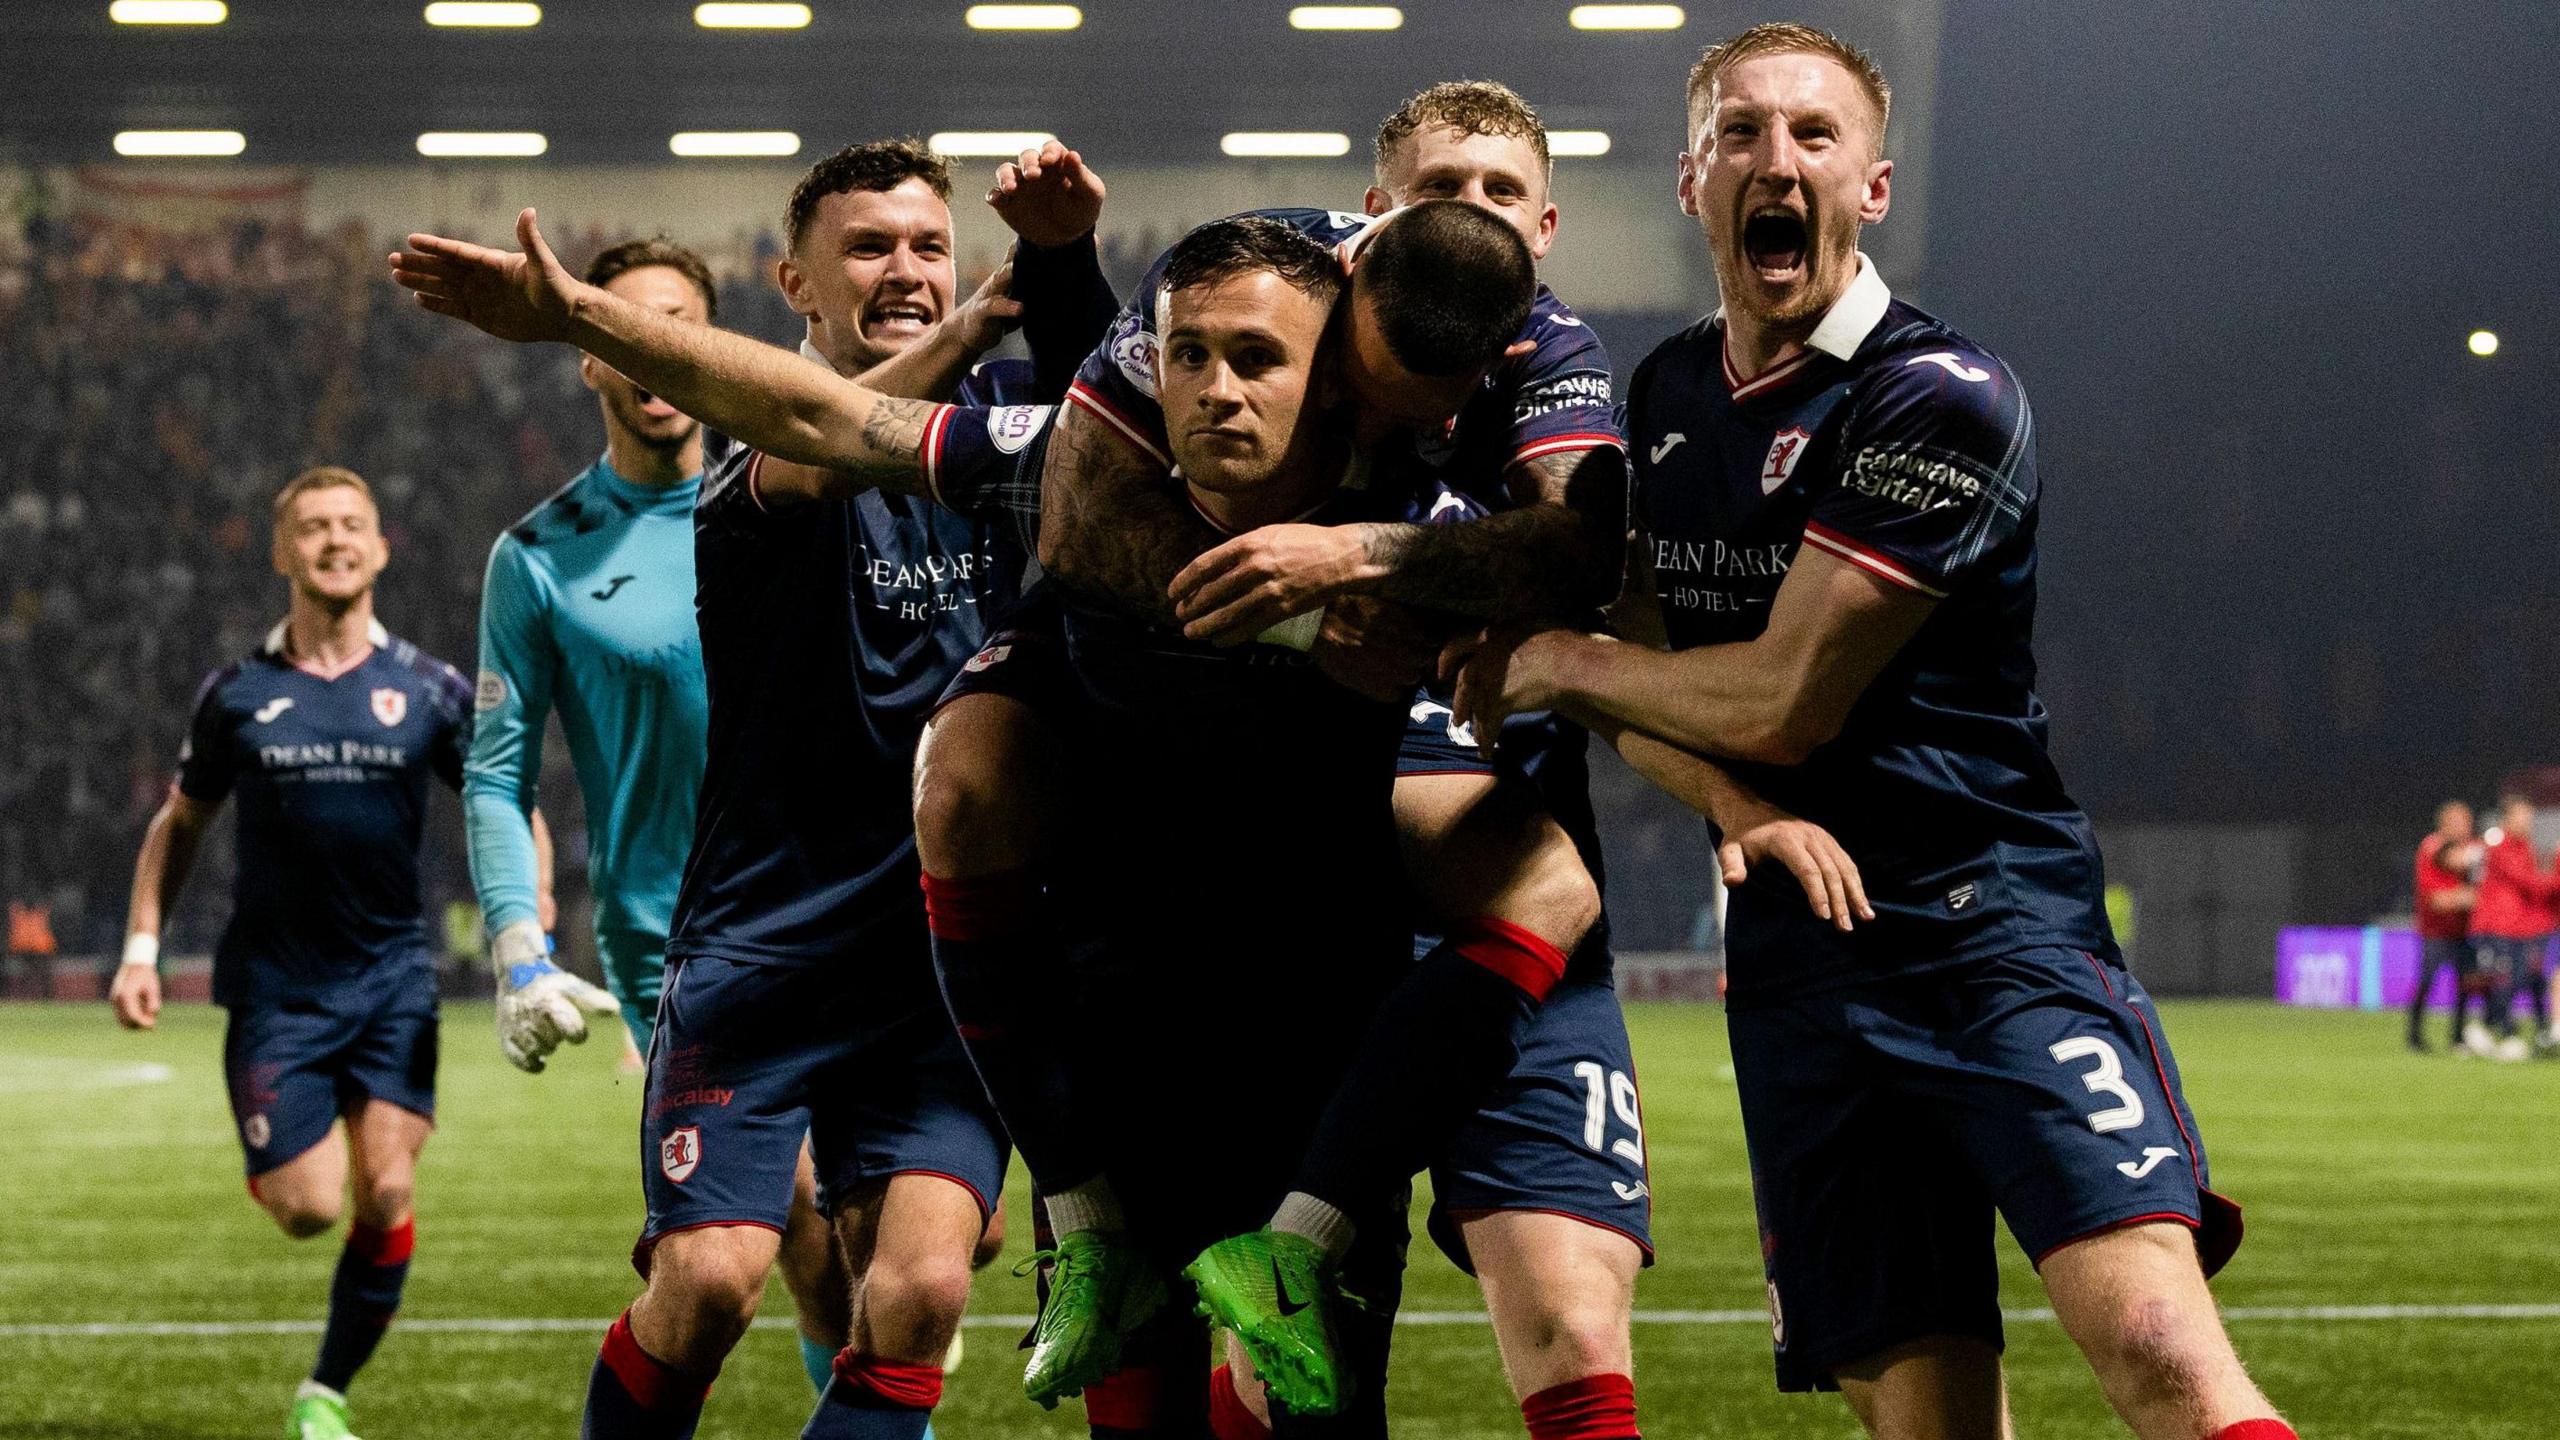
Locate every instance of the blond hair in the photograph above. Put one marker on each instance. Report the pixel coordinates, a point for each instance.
(319, 477)
(1470, 107)
(1786, 37)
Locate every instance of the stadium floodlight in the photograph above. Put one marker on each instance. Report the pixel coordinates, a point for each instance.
(490, 14)
(1346, 17)
(985, 144)
(2484, 343)
(168, 12)
(1628, 17)
(180, 142)
(714, 144)
(1024, 17)
(1577, 142)
(750, 17)
(1284, 144)
(462, 144)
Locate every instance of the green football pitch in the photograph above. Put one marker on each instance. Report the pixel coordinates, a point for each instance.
(2401, 1276)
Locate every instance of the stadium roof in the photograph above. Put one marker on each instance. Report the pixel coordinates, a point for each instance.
(608, 81)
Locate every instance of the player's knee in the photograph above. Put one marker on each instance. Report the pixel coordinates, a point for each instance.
(707, 1279)
(302, 1217)
(2153, 1342)
(961, 811)
(385, 1202)
(1574, 1338)
(921, 1294)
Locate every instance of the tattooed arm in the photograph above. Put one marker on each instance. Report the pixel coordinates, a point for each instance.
(1554, 557)
(1113, 526)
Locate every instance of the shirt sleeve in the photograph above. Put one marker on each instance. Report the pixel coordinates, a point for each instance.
(1937, 470)
(1561, 399)
(204, 757)
(984, 461)
(518, 662)
(1067, 309)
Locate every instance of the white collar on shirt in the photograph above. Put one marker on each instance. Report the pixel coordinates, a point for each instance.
(374, 635)
(1846, 324)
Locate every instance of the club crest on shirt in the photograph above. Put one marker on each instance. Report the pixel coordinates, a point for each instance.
(390, 705)
(680, 1153)
(1784, 452)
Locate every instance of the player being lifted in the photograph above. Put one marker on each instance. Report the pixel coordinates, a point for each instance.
(330, 733)
(800, 998)
(1841, 499)
(588, 608)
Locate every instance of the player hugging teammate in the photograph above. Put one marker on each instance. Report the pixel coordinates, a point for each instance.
(1312, 447)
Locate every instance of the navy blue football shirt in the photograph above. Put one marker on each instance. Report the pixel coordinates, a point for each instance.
(829, 629)
(332, 778)
(1901, 447)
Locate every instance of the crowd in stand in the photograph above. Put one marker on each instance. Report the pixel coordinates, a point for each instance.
(164, 385)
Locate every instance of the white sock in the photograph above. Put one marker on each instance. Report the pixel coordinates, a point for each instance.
(1092, 1205)
(1303, 1214)
(309, 1388)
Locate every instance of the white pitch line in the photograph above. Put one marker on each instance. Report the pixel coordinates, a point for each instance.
(217, 1329)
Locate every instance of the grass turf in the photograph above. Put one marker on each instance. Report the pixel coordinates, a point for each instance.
(2372, 1177)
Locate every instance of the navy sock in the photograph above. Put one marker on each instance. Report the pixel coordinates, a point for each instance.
(876, 1399)
(1004, 979)
(1442, 1043)
(633, 1395)
(362, 1299)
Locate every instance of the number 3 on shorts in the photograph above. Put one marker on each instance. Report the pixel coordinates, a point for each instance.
(2106, 1079)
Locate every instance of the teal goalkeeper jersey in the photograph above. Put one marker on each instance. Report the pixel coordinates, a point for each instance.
(588, 610)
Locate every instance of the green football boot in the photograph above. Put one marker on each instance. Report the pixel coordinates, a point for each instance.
(1100, 1291)
(1272, 1289)
(317, 1414)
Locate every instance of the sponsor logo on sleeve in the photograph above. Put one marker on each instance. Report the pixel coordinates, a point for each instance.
(1133, 350)
(1579, 390)
(1909, 478)
(1948, 361)
(390, 705)
(1011, 427)
(490, 693)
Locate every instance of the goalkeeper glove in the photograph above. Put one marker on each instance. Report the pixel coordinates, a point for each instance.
(539, 1004)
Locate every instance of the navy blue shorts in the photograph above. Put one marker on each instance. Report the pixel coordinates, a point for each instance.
(1888, 1121)
(857, 1057)
(1563, 1136)
(295, 1065)
(1025, 660)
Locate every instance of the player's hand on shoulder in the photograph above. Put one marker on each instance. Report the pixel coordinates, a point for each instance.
(1758, 833)
(1266, 575)
(522, 295)
(988, 315)
(1374, 647)
(135, 995)
(539, 1004)
(1047, 195)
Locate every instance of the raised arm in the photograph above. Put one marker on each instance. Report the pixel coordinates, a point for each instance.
(767, 398)
(159, 872)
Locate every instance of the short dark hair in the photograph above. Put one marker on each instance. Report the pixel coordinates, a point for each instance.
(633, 255)
(879, 165)
(1245, 244)
(1452, 285)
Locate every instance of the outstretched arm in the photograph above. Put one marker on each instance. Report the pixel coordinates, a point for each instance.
(767, 398)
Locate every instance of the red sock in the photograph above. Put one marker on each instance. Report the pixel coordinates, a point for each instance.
(1129, 1399)
(1228, 1417)
(651, 1383)
(2256, 1430)
(903, 1386)
(1595, 1407)
(383, 1247)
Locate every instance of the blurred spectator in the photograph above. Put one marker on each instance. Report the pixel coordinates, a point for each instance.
(2446, 859)
(2511, 926)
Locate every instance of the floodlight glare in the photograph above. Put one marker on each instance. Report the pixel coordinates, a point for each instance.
(1346, 17)
(1628, 17)
(985, 144)
(2484, 343)
(180, 142)
(712, 144)
(1284, 144)
(1577, 142)
(750, 17)
(1024, 17)
(168, 12)
(479, 144)
(489, 14)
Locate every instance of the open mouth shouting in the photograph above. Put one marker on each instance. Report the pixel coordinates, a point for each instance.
(1775, 244)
